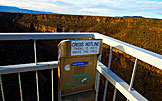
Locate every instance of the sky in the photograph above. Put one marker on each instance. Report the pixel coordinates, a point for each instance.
(145, 8)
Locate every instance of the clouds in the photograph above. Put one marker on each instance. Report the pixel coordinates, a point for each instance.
(145, 8)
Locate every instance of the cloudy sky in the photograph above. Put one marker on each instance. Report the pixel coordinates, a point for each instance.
(145, 8)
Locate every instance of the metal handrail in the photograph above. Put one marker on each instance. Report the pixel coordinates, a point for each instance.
(28, 67)
(142, 54)
(139, 53)
(121, 85)
(43, 36)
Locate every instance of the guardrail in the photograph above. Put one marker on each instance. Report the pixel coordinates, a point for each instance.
(120, 85)
(34, 66)
(139, 53)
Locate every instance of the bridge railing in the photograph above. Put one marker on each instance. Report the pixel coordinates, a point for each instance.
(120, 85)
(37, 65)
(139, 53)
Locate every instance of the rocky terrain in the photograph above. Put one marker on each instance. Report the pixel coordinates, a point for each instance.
(142, 32)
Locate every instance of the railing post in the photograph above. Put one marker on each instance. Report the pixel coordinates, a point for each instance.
(35, 51)
(3, 98)
(114, 96)
(35, 55)
(133, 74)
(97, 84)
(37, 85)
(19, 77)
(52, 84)
(109, 65)
(98, 77)
(97, 81)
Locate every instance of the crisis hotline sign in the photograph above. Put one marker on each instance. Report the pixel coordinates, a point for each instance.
(84, 47)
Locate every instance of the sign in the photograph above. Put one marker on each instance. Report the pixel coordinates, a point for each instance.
(84, 47)
(79, 63)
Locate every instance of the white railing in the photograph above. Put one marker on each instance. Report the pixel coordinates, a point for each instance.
(34, 66)
(120, 85)
(139, 53)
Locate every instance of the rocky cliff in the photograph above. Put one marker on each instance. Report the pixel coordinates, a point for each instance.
(142, 32)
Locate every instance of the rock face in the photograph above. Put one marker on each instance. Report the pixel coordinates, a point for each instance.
(142, 32)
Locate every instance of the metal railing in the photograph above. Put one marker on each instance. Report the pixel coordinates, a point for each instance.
(139, 53)
(120, 85)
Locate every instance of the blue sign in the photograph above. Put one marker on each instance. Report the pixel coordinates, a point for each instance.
(79, 63)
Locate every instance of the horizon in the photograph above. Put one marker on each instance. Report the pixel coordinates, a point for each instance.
(115, 8)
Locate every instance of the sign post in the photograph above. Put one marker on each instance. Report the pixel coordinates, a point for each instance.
(77, 66)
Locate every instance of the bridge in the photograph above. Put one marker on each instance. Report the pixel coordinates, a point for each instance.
(120, 85)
